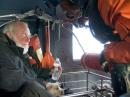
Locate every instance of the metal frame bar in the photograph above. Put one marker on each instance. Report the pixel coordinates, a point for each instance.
(88, 91)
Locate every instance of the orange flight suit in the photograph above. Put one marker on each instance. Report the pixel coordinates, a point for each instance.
(116, 14)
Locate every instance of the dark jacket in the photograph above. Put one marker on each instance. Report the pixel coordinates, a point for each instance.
(14, 71)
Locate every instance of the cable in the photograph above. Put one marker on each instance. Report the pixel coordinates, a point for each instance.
(75, 37)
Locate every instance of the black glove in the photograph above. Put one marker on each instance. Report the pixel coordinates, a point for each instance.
(104, 63)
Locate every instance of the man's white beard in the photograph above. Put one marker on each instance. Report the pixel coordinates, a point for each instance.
(25, 48)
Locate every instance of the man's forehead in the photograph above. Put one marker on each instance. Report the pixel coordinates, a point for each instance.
(21, 25)
(23, 28)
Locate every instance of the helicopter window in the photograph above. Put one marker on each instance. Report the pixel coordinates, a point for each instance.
(87, 41)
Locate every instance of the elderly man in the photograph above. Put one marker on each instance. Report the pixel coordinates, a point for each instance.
(17, 79)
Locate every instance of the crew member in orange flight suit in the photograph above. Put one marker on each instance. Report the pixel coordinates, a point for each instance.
(116, 14)
(113, 15)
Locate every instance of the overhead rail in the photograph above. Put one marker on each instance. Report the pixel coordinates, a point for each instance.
(35, 12)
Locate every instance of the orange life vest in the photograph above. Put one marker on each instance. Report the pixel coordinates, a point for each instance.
(35, 45)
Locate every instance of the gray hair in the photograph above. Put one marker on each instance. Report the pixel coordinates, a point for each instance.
(10, 27)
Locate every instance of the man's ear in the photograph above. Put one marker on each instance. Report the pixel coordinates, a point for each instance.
(9, 34)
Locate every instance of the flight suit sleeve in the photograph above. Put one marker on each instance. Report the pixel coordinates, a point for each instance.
(118, 52)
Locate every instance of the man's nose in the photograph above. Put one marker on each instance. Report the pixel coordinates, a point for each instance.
(28, 39)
